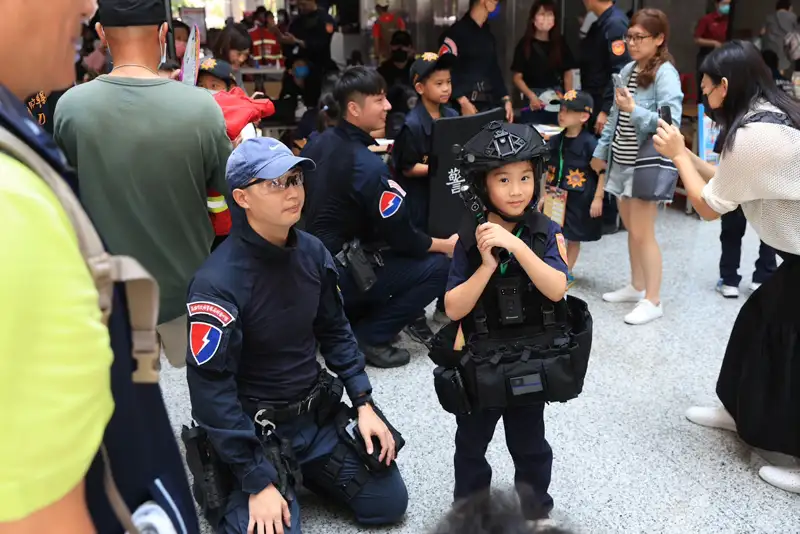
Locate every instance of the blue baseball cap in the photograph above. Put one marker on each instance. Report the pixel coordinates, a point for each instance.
(262, 157)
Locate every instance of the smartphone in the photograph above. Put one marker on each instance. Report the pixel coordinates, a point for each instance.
(618, 83)
(665, 114)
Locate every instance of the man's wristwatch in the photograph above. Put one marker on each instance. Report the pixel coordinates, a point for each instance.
(506, 99)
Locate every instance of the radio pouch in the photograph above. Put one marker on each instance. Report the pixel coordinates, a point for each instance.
(347, 427)
(213, 480)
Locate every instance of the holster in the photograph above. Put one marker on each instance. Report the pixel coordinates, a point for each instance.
(356, 260)
(451, 391)
(280, 454)
(213, 479)
(347, 428)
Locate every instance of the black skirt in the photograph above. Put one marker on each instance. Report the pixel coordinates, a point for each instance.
(578, 223)
(759, 383)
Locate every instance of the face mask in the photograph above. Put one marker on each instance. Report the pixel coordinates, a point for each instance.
(724, 9)
(710, 112)
(301, 72)
(399, 56)
(180, 49)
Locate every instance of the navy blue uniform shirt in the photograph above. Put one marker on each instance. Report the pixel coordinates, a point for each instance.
(357, 197)
(315, 29)
(461, 269)
(604, 52)
(413, 145)
(476, 50)
(256, 313)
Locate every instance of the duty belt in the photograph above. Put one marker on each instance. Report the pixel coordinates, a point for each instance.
(481, 92)
(279, 413)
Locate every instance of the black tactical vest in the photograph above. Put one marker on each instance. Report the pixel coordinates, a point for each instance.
(511, 306)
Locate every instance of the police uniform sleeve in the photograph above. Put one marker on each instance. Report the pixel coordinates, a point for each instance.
(618, 57)
(386, 206)
(499, 89)
(215, 340)
(459, 267)
(55, 357)
(318, 41)
(556, 249)
(337, 344)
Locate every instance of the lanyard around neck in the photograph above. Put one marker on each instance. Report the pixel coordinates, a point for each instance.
(561, 159)
(504, 265)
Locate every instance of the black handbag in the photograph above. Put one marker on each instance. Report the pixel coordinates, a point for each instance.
(654, 176)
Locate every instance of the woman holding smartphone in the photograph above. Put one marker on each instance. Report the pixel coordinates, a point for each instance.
(643, 86)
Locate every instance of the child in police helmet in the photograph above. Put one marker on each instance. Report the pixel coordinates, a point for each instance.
(569, 169)
(501, 163)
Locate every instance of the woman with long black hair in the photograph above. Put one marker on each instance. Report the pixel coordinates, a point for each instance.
(759, 383)
(542, 63)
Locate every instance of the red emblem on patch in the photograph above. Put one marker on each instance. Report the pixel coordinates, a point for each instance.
(209, 308)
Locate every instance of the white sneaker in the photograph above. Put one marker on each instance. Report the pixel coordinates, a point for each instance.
(729, 292)
(626, 294)
(785, 478)
(644, 312)
(754, 286)
(711, 417)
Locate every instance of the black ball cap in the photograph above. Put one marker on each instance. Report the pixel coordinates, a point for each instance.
(124, 13)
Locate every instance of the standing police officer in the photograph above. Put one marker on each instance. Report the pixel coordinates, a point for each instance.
(478, 83)
(390, 270)
(603, 52)
(257, 310)
(312, 30)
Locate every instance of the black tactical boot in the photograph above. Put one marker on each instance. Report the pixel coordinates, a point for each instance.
(385, 356)
(419, 331)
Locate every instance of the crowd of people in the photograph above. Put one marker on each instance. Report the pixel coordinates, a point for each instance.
(148, 217)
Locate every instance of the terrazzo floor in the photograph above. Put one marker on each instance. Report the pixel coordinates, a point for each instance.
(626, 459)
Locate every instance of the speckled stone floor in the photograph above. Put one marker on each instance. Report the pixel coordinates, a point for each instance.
(626, 459)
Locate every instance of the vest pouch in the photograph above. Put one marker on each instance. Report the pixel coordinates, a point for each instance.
(486, 382)
(441, 349)
(561, 383)
(451, 391)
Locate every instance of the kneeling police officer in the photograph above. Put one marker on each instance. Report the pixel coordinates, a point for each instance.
(515, 342)
(268, 415)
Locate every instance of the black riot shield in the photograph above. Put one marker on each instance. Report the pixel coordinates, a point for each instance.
(446, 207)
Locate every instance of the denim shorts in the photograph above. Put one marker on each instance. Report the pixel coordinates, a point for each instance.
(619, 180)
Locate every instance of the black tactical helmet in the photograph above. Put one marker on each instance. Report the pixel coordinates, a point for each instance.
(497, 144)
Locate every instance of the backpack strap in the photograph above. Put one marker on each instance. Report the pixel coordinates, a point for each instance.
(141, 292)
(141, 289)
(540, 229)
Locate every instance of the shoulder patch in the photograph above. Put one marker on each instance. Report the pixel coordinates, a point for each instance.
(448, 47)
(562, 246)
(389, 204)
(204, 341)
(203, 307)
(396, 186)
(618, 47)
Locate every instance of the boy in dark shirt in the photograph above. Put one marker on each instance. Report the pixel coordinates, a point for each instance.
(412, 148)
(570, 154)
(430, 75)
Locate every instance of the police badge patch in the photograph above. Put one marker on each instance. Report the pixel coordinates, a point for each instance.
(204, 341)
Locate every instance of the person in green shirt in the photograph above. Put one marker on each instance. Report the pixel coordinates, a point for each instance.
(146, 150)
(55, 356)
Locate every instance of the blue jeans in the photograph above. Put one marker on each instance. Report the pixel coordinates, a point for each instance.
(382, 500)
(405, 286)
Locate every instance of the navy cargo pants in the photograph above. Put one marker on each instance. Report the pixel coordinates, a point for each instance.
(405, 286)
(382, 500)
(532, 455)
(734, 225)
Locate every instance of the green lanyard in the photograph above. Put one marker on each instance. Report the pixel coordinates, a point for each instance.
(560, 161)
(504, 265)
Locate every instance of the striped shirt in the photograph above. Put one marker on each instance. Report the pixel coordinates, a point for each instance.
(625, 146)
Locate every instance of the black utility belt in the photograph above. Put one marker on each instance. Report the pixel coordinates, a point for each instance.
(325, 394)
(360, 263)
(481, 92)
